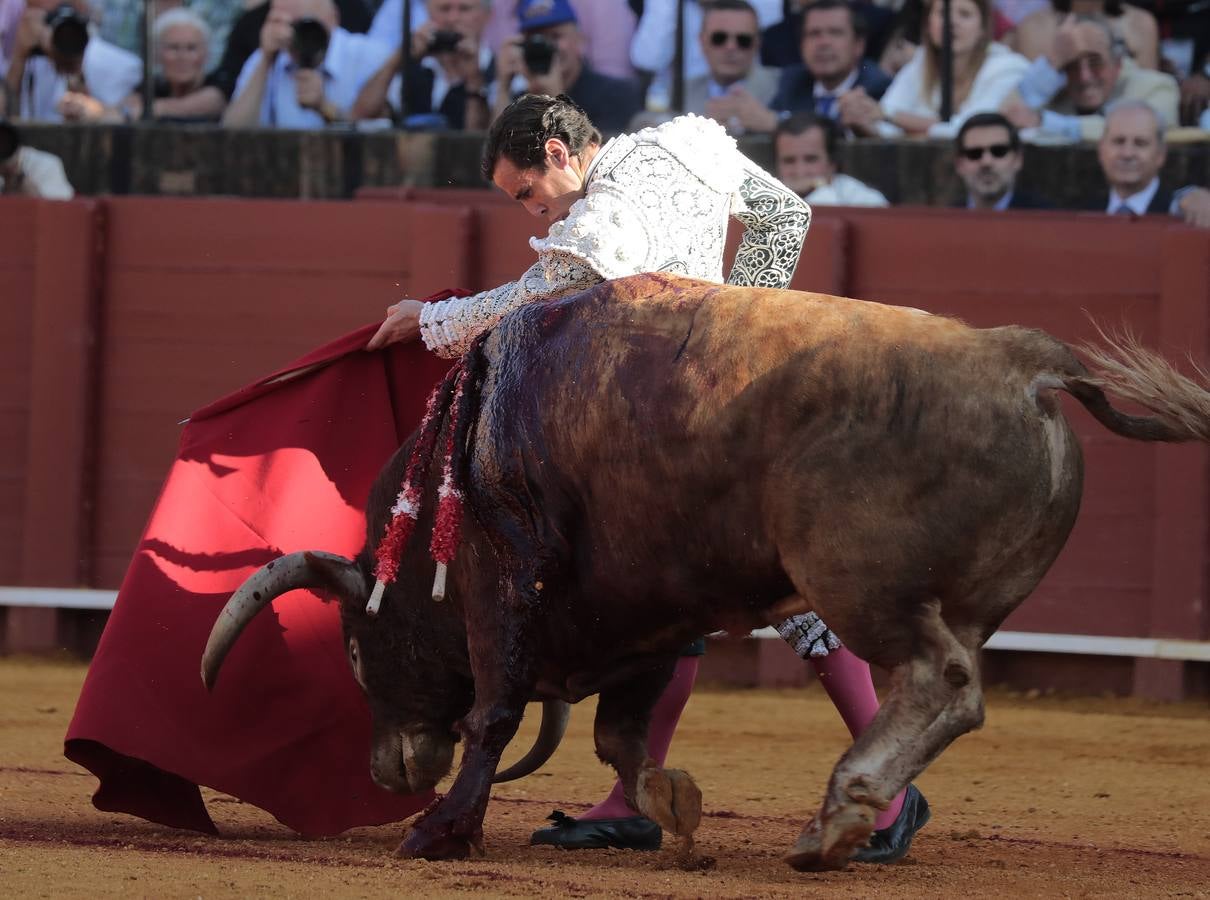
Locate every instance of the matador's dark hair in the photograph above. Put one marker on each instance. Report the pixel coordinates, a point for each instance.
(520, 133)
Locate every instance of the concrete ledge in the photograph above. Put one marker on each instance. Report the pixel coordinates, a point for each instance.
(1081, 644)
(57, 598)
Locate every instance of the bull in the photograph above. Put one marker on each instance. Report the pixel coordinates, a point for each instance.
(657, 458)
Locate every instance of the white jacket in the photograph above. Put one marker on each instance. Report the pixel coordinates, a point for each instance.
(1002, 69)
(655, 201)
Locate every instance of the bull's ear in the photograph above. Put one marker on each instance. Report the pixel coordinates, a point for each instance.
(341, 576)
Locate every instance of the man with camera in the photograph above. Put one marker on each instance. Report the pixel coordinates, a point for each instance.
(547, 57)
(450, 74)
(306, 73)
(29, 172)
(60, 71)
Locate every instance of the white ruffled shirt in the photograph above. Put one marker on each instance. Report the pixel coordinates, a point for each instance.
(655, 201)
(845, 190)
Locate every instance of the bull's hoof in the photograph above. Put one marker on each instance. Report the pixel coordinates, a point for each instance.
(826, 844)
(808, 860)
(419, 844)
(671, 798)
(807, 854)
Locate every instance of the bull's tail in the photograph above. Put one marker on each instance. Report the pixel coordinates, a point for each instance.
(1179, 405)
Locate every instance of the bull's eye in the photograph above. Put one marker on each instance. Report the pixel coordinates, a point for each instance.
(355, 662)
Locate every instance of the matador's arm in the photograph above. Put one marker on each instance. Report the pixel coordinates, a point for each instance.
(775, 223)
(449, 327)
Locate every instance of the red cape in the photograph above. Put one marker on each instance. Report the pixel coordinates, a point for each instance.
(282, 465)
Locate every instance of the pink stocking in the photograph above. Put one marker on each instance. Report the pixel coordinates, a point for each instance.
(847, 680)
(659, 735)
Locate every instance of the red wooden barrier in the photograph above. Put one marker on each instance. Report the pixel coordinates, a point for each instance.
(49, 276)
(203, 296)
(17, 252)
(196, 297)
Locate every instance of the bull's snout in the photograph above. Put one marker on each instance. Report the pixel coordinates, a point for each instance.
(411, 762)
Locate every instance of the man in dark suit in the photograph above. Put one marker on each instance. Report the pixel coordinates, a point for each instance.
(779, 43)
(1131, 153)
(832, 45)
(987, 157)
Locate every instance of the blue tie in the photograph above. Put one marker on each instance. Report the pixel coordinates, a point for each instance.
(825, 105)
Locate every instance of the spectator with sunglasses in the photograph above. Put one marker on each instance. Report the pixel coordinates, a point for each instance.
(737, 89)
(834, 70)
(1064, 91)
(654, 46)
(987, 157)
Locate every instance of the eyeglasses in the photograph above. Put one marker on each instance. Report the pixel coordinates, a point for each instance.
(974, 154)
(743, 40)
(1094, 62)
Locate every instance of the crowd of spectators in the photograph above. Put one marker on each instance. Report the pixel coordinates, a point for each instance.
(814, 74)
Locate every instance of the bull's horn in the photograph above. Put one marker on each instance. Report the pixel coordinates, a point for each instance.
(304, 569)
(555, 715)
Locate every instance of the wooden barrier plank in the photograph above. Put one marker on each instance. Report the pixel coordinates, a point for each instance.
(504, 251)
(63, 374)
(1001, 254)
(1180, 602)
(195, 313)
(17, 219)
(1050, 272)
(56, 515)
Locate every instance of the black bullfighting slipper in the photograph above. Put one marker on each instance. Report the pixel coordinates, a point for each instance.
(630, 833)
(890, 844)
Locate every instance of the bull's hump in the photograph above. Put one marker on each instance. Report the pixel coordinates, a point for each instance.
(708, 320)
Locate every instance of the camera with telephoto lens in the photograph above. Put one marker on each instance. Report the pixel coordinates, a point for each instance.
(444, 41)
(539, 54)
(68, 31)
(309, 44)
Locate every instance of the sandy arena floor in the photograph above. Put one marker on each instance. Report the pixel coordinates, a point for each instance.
(1054, 797)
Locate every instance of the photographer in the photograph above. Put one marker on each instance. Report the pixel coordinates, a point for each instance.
(450, 74)
(29, 172)
(307, 71)
(548, 58)
(59, 71)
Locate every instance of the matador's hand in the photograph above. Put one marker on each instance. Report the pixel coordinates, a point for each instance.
(402, 324)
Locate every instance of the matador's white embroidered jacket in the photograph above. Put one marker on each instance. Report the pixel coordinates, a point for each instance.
(655, 201)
